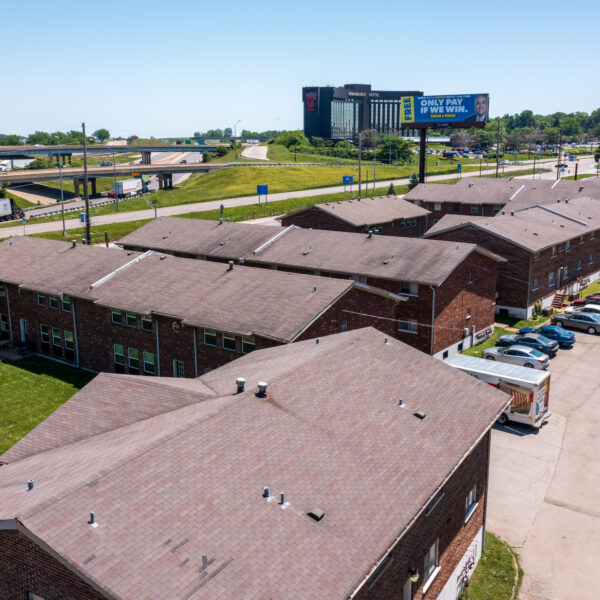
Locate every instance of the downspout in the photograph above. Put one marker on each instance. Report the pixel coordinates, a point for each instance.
(487, 483)
(10, 331)
(195, 354)
(157, 350)
(75, 334)
(432, 316)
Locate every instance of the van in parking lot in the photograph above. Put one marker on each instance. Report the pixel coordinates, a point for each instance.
(529, 388)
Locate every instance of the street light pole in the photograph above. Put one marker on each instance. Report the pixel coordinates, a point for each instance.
(115, 183)
(85, 189)
(62, 197)
(235, 138)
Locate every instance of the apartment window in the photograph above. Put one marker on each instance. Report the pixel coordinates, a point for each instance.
(568, 246)
(579, 264)
(248, 344)
(536, 256)
(496, 208)
(551, 279)
(414, 222)
(455, 207)
(469, 277)
(177, 368)
(119, 354)
(229, 342)
(344, 325)
(430, 567)
(116, 316)
(32, 596)
(593, 235)
(53, 301)
(565, 274)
(146, 322)
(69, 345)
(56, 337)
(470, 503)
(417, 203)
(474, 209)
(45, 338)
(4, 323)
(409, 288)
(535, 285)
(581, 239)
(553, 252)
(131, 319)
(469, 313)
(407, 325)
(66, 303)
(148, 363)
(435, 221)
(41, 298)
(437, 206)
(2, 290)
(591, 259)
(210, 337)
(133, 356)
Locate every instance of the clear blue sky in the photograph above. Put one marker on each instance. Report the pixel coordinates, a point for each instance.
(174, 67)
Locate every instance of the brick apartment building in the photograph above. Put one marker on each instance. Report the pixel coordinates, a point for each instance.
(551, 248)
(385, 215)
(449, 289)
(486, 197)
(175, 471)
(106, 309)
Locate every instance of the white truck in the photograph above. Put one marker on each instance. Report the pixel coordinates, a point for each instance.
(9, 210)
(127, 188)
(529, 388)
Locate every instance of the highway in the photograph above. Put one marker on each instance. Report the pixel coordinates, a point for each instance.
(20, 151)
(211, 205)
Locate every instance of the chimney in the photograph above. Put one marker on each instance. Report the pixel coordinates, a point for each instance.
(240, 382)
(230, 263)
(30, 485)
(262, 389)
(266, 493)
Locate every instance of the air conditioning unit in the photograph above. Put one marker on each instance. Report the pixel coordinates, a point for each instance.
(465, 332)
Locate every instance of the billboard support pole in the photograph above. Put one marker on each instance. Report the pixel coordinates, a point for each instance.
(359, 162)
(422, 148)
(497, 148)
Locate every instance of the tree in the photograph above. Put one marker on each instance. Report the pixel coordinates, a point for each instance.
(459, 139)
(292, 138)
(393, 148)
(10, 140)
(101, 135)
(197, 134)
(570, 126)
(413, 181)
(227, 132)
(551, 135)
(597, 154)
(3, 190)
(481, 138)
(391, 191)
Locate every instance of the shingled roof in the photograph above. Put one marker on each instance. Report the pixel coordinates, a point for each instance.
(176, 478)
(368, 211)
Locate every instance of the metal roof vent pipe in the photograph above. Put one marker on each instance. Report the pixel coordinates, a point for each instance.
(73, 243)
(370, 233)
(241, 260)
(220, 220)
(230, 263)
(29, 485)
(262, 389)
(282, 501)
(92, 520)
(240, 383)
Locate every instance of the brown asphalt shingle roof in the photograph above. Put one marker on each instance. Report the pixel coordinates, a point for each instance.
(370, 211)
(177, 494)
(533, 228)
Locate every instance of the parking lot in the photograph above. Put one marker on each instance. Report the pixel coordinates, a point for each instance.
(544, 496)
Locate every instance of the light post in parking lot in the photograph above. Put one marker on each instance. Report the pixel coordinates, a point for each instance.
(62, 196)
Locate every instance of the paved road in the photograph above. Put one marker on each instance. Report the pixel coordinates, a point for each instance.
(255, 152)
(544, 495)
(211, 205)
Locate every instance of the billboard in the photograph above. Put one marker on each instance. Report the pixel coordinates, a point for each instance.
(311, 99)
(435, 110)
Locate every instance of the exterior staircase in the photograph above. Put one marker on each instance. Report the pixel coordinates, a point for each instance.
(559, 300)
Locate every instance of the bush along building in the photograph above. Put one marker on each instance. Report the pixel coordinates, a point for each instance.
(552, 250)
(148, 313)
(448, 288)
(384, 215)
(238, 484)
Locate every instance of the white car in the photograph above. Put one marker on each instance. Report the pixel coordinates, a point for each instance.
(518, 355)
(587, 308)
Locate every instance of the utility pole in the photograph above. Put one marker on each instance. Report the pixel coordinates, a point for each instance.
(497, 147)
(374, 161)
(559, 153)
(359, 162)
(85, 188)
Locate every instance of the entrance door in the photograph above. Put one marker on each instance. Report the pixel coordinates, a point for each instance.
(23, 330)
(407, 590)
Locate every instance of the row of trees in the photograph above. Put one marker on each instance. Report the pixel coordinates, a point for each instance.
(228, 132)
(49, 139)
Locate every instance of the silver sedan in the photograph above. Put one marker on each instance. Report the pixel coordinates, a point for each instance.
(518, 355)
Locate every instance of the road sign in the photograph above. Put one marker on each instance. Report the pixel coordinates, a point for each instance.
(188, 141)
(347, 180)
(24, 220)
(262, 190)
(562, 170)
(458, 168)
(200, 142)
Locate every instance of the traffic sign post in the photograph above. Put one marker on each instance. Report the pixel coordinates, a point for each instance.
(347, 180)
(24, 223)
(459, 169)
(262, 190)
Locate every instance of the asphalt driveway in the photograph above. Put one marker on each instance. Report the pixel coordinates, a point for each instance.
(544, 495)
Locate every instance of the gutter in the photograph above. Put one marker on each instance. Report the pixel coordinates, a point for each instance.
(10, 331)
(432, 288)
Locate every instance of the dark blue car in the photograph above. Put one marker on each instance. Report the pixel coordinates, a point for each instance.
(565, 338)
(533, 340)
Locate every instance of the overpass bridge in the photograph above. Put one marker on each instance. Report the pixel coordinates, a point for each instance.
(65, 152)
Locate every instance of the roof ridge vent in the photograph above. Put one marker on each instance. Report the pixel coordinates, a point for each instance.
(274, 238)
(124, 267)
(316, 513)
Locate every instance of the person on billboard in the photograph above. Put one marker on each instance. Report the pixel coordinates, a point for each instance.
(481, 109)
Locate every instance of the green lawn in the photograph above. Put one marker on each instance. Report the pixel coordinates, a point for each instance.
(30, 390)
(494, 577)
(583, 176)
(520, 323)
(491, 341)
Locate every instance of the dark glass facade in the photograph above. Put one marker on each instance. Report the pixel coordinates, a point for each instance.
(341, 112)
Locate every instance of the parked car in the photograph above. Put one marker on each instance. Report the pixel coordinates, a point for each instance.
(579, 320)
(532, 340)
(565, 338)
(595, 299)
(518, 355)
(585, 308)
(106, 164)
(183, 162)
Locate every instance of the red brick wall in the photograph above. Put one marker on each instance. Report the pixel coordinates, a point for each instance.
(450, 208)
(313, 218)
(25, 567)
(445, 522)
